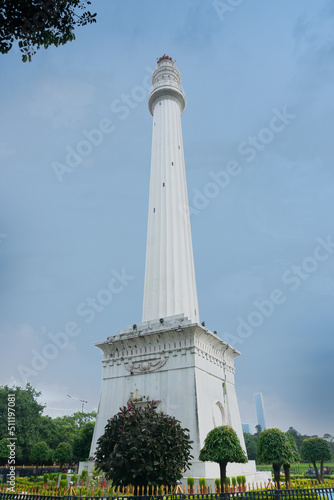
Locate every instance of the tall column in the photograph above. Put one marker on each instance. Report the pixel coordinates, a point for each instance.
(170, 286)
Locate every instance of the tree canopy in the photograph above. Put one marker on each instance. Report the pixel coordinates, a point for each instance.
(40, 23)
(40, 454)
(290, 455)
(28, 414)
(82, 442)
(63, 453)
(141, 446)
(251, 445)
(277, 448)
(315, 449)
(272, 449)
(222, 446)
(32, 427)
(4, 450)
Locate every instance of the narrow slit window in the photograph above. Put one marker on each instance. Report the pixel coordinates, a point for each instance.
(172, 163)
(179, 147)
(163, 184)
(153, 210)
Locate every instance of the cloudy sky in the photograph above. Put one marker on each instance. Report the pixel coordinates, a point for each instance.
(75, 142)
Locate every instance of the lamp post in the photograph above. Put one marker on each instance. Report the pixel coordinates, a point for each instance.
(83, 401)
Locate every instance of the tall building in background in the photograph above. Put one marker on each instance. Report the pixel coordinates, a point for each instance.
(170, 357)
(261, 420)
(247, 428)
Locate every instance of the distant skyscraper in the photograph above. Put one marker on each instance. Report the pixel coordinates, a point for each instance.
(247, 428)
(261, 420)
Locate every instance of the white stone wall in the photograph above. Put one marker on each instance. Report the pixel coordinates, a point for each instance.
(188, 369)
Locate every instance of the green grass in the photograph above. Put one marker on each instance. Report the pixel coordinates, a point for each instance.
(299, 468)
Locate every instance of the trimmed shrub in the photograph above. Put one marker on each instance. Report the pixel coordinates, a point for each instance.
(74, 478)
(190, 482)
(63, 483)
(46, 478)
(228, 481)
(202, 482)
(234, 482)
(217, 483)
(83, 476)
(63, 476)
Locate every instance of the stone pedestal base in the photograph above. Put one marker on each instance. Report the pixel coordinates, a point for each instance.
(183, 366)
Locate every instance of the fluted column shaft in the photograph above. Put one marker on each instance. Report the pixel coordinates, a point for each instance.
(170, 286)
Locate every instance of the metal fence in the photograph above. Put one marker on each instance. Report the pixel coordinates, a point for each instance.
(268, 494)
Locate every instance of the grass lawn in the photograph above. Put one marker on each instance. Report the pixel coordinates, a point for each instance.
(299, 468)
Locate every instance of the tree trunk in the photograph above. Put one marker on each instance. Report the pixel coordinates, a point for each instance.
(222, 467)
(322, 471)
(277, 475)
(286, 468)
(316, 472)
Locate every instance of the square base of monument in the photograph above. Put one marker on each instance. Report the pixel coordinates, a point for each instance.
(88, 465)
(185, 368)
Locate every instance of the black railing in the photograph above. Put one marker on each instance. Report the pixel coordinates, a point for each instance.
(268, 494)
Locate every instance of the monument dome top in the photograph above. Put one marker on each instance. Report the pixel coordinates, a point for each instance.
(165, 57)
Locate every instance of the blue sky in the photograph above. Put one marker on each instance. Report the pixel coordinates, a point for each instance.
(257, 133)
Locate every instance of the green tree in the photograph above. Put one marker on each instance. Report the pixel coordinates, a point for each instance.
(272, 449)
(222, 446)
(141, 446)
(315, 449)
(290, 455)
(82, 442)
(4, 450)
(63, 453)
(37, 23)
(251, 445)
(40, 454)
(298, 437)
(258, 430)
(64, 429)
(330, 439)
(28, 416)
(48, 432)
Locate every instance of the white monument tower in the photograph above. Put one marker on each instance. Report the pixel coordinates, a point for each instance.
(170, 286)
(170, 357)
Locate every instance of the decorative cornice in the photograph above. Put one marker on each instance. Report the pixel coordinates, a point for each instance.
(146, 350)
(146, 366)
(166, 92)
